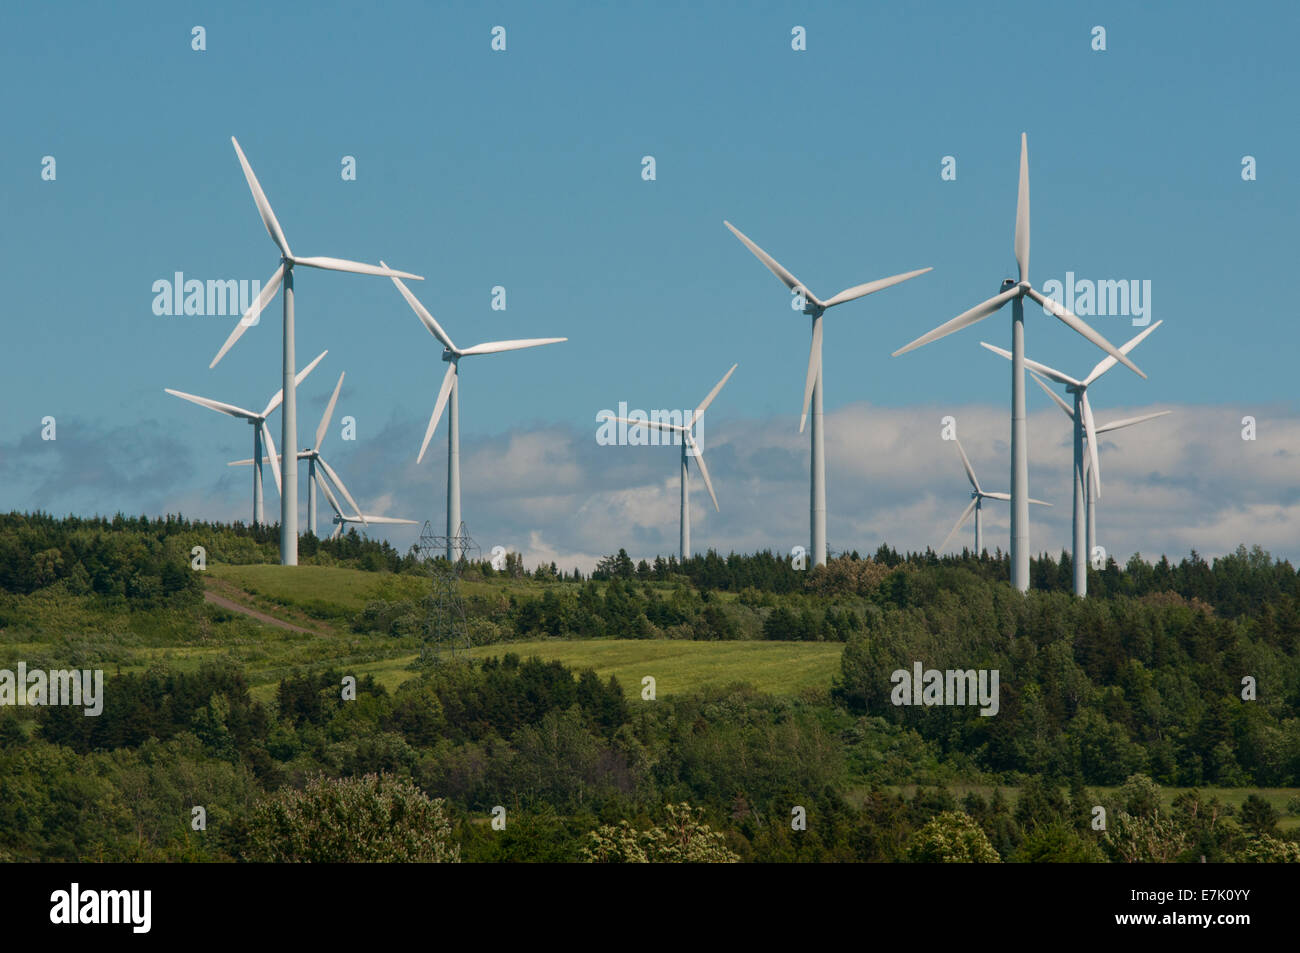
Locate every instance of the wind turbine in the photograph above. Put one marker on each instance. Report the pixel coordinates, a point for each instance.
(289, 419)
(1015, 292)
(260, 432)
(313, 457)
(1085, 430)
(450, 393)
(1092, 499)
(690, 448)
(340, 520)
(976, 505)
(815, 307)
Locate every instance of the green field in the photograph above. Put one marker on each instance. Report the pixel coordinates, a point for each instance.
(779, 668)
(321, 591)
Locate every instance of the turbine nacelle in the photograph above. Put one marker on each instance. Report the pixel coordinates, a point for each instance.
(811, 306)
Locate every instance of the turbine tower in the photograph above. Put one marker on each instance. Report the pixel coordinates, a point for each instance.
(690, 448)
(1015, 292)
(1085, 431)
(260, 432)
(289, 419)
(814, 307)
(976, 505)
(450, 393)
(1092, 499)
(314, 459)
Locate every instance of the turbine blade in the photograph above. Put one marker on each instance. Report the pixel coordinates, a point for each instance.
(704, 404)
(249, 461)
(966, 318)
(298, 378)
(228, 409)
(1058, 376)
(1039, 502)
(1069, 411)
(775, 267)
(1072, 320)
(814, 366)
(329, 495)
(1091, 428)
(334, 478)
(389, 520)
(263, 206)
(858, 291)
(494, 347)
(324, 424)
(338, 528)
(1022, 212)
(704, 471)
(1130, 421)
(970, 471)
(253, 314)
(448, 380)
(423, 314)
(275, 457)
(965, 515)
(1005, 497)
(354, 267)
(1108, 362)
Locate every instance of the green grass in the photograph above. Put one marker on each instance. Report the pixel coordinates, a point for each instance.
(678, 667)
(324, 591)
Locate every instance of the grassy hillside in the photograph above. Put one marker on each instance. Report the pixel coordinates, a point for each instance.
(324, 600)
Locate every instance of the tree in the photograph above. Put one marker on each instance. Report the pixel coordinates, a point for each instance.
(1058, 843)
(375, 818)
(1258, 816)
(952, 838)
(1143, 840)
(684, 838)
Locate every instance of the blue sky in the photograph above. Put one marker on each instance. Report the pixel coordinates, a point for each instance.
(522, 169)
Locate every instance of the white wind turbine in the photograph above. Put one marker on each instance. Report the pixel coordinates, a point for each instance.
(314, 458)
(976, 505)
(1085, 431)
(1092, 499)
(814, 307)
(260, 432)
(1015, 292)
(289, 418)
(450, 393)
(690, 448)
(340, 520)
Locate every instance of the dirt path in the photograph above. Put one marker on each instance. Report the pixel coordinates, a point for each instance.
(225, 603)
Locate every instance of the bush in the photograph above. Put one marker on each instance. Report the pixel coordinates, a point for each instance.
(375, 818)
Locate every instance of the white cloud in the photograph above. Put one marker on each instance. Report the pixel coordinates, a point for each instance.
(1179, 482)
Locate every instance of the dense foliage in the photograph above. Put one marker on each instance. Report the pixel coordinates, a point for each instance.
(1179, 675)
